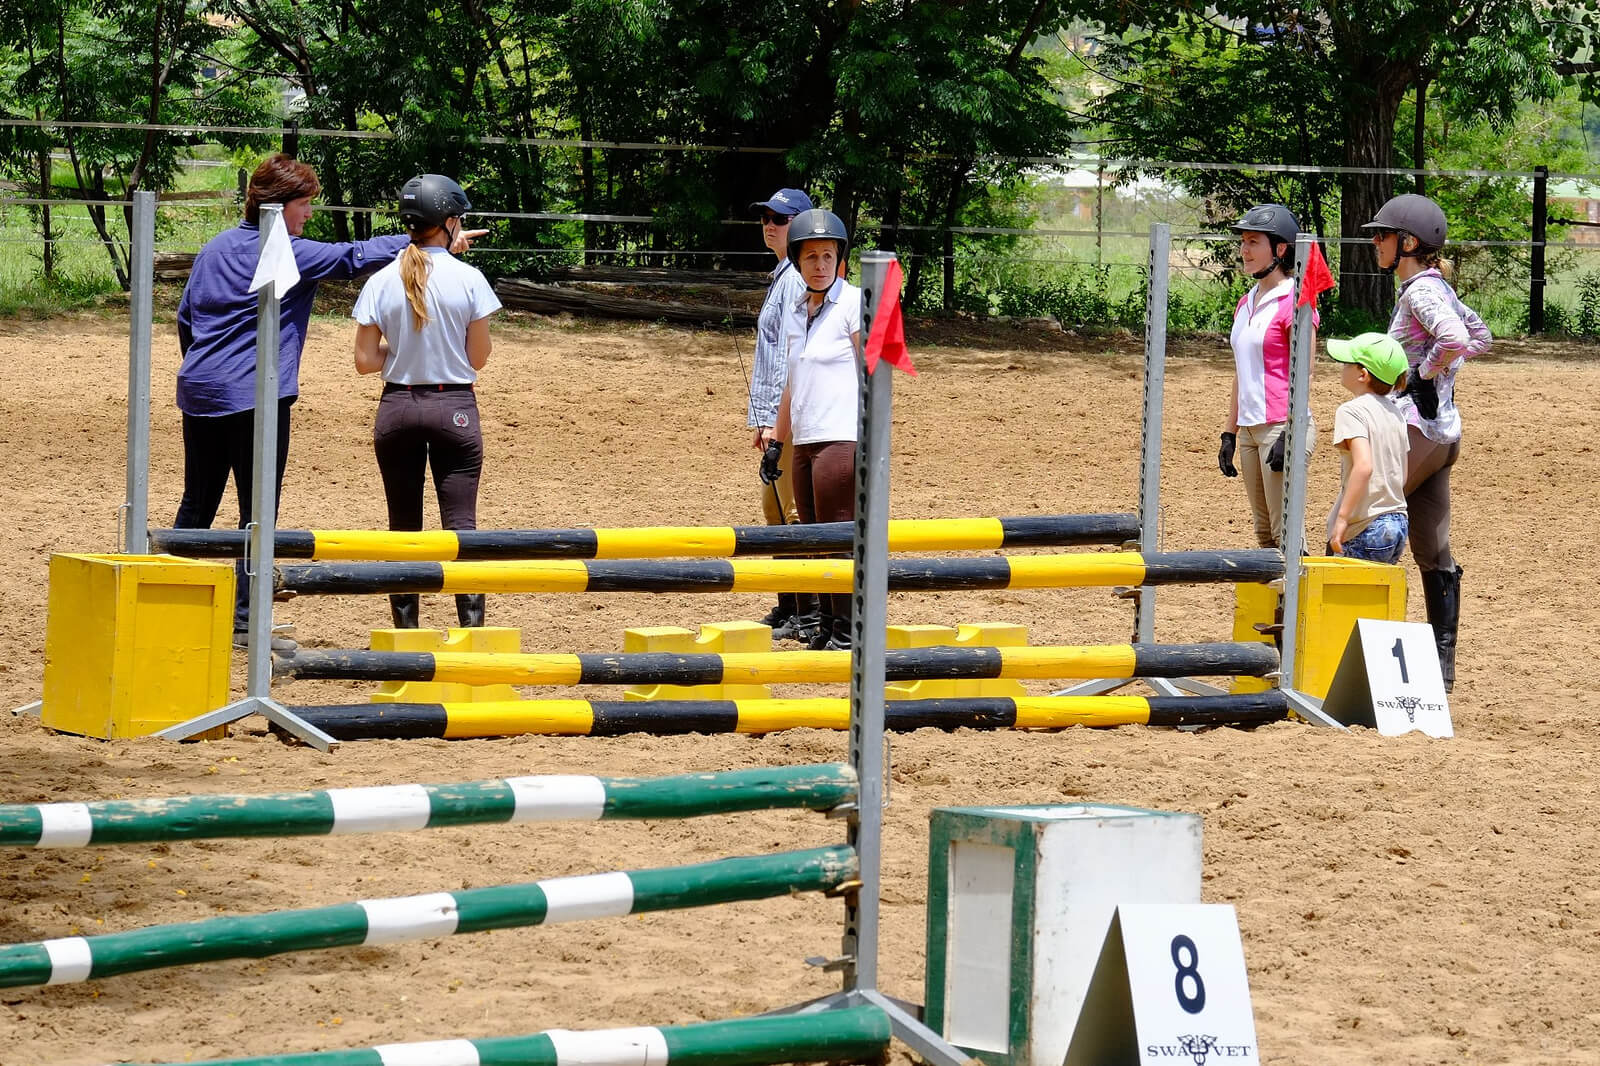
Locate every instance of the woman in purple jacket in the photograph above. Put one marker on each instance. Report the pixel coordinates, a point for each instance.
(217, 336)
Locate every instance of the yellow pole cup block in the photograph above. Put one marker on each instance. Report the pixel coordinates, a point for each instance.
(1334, 592)
(135, 643)
(720, 637)
(496, 639)
(966, 635)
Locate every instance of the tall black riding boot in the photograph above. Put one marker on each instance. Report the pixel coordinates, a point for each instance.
(469, 609)
(843, 627)
(781, 617)
(822, 638)
(843, 634)
(406, 610)
(807, 618)
(1441, 592)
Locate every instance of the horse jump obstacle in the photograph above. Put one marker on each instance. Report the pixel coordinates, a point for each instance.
(845, 1034)
(767, 668)
(583, 717)
(454, 721)
(781, 575)
(544, 798)
(390, 921)
(650, 542)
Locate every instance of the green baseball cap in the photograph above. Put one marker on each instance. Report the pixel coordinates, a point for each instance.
(1379, 353)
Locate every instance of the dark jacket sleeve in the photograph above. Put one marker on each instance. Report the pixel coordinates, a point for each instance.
(185, 322)
(319, 261)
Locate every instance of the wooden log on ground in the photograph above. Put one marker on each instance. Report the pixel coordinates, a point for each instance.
(636, 275)
(173, 266)
(523, 295)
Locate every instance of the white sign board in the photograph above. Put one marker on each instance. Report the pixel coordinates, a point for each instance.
(1389, 680)
(1170, 988)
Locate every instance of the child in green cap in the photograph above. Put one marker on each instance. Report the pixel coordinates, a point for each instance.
(1369, 519)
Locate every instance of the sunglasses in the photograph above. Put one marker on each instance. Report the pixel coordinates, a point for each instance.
(768, 218)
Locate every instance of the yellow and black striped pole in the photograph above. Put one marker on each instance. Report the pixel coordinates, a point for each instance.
(656, 542)
(781, 575)
(400, 721)
(793, 667)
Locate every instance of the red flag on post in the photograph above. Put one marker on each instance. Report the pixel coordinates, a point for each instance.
(887, 339)
(1318, 279)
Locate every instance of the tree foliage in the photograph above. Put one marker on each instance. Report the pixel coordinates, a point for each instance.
(908, 117)
(894, 111)
(112, 62)
(1324, 83)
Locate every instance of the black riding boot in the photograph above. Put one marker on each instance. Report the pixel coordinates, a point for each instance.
(469, 609)
(822, 637)
(406, 610)
(807, 618)
(781, 617)
(843, 634)
(838, 625)
(1441, 591)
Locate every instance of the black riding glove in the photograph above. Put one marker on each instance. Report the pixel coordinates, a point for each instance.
(1275, 454)
(1225, 455)
(1425, 394)
(769, 462)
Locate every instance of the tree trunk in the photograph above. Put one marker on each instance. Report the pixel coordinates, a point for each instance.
(1369, 142)
(1419, 153)
(889, 235)
(333, 187)
(44, 215)
(952, 212)
(591, 232)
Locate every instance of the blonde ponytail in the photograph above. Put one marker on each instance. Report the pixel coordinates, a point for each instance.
(414, 267)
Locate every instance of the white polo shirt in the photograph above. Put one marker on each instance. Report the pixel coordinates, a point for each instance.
(457, 295)
(824, 391)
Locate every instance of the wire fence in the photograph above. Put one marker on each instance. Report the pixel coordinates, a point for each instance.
(1085, 253)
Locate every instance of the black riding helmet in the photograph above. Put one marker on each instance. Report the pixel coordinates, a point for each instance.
(1280, 225)
(813, 225)
(1416, 215)
(431, 200)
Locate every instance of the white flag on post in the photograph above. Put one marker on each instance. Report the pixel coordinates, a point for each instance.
(276, 265)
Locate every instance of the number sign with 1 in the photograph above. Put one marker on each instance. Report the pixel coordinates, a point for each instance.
(1389, 679)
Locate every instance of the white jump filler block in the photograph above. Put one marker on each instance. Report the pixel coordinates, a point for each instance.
(1019, 901)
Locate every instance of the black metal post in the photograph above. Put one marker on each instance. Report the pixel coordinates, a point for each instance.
(1541, 212)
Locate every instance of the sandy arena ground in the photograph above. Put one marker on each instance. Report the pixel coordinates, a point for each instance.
(1403, 901)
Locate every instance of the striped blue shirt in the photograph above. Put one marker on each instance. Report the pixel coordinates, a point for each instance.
(770, 369)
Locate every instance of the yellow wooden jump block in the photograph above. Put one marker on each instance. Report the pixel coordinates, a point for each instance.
(974, 635)
(480, 639)
(721, 637)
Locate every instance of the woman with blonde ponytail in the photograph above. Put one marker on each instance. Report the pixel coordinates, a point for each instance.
(424, 323)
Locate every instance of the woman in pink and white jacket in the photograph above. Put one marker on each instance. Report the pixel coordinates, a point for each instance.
(1258, 408)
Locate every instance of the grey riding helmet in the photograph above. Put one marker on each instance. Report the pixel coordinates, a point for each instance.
(1416, 215)
(1275, 220)
(817, 224)
(430, 200)
(1279, 224)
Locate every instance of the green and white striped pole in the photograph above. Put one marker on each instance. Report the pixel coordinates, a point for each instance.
(852, 1034)
(437, 914)
(337, 811)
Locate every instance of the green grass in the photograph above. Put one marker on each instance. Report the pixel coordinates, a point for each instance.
(1080, 280)
(83, 275)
